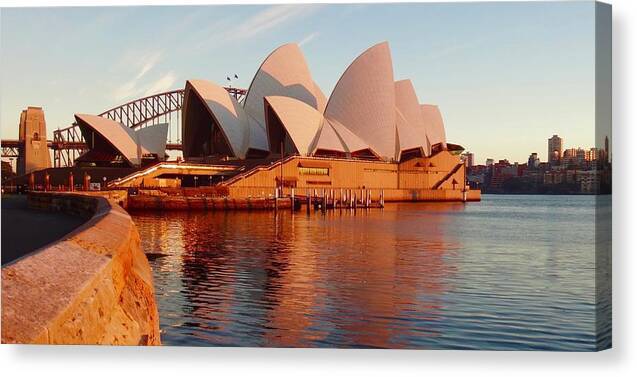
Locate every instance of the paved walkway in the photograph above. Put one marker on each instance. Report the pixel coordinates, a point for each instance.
(24, 230)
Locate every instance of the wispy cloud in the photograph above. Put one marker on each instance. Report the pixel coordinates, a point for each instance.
(124, 91)
(149, 63)
(144, 63)
(164, 83)
(270, 18)
(227, 31)
(308, 38)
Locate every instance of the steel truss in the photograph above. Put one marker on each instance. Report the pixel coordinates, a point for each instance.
(68, 143)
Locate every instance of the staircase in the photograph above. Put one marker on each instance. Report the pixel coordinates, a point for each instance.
(258, 168)
(447, 176)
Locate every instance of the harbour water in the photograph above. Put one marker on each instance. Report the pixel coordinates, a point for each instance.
(507, 273)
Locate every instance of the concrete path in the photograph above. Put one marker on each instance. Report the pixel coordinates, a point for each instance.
(25, 230)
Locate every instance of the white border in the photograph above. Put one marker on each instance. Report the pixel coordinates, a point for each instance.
(187, 361)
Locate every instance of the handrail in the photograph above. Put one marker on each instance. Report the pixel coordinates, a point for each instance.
(447, 176)
(258, 168)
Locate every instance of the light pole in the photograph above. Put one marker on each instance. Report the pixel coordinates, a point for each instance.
(196, 181)
(104, 183)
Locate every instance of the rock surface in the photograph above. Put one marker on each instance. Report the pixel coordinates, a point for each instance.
(94, 286)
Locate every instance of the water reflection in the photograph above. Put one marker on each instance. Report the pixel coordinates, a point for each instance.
(408, 276)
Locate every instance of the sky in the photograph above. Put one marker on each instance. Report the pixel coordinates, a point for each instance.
(506, 76)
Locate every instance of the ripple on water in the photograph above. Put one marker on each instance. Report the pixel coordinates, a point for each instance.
(506, 273)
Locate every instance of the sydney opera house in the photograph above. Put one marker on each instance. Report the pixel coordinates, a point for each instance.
(372, 132)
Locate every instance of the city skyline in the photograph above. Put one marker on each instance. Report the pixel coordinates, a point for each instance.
(499, 93)
(540, 155)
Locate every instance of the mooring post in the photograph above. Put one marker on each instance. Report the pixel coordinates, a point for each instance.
(292, 199)
(276, 199)
(324, 207)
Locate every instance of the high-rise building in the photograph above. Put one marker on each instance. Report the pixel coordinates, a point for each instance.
(580, 156)
(534, 161)
(555, 150)
(467, 157)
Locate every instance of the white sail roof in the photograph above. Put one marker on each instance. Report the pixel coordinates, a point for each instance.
(300, 120)
(122, 138)
(363, 100)
(352, 142)
(434, 125)
(408, 136)
(283, 73)
(153, 138)
(225, 110)
(408, 107)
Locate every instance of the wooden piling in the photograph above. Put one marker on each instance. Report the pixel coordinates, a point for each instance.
(276, 199)
(292, 199)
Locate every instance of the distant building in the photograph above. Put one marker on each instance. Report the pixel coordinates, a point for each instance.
(467, 158)
(489, 162)
(554, 150)
(589, 181)
(569, 157)
(534, 161)
(580, 156)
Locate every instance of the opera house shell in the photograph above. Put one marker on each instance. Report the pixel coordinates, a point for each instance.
(112, 143)
(282, 134)
(369, 115)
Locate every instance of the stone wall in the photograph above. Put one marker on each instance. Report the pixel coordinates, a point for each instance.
(94, 286)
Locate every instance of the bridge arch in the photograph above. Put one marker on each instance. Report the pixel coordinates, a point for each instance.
(68, 144)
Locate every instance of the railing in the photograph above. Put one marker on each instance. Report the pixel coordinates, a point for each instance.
(259, 168)
(447, 176)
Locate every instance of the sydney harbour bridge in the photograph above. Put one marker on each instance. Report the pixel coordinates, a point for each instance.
(68, 144)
